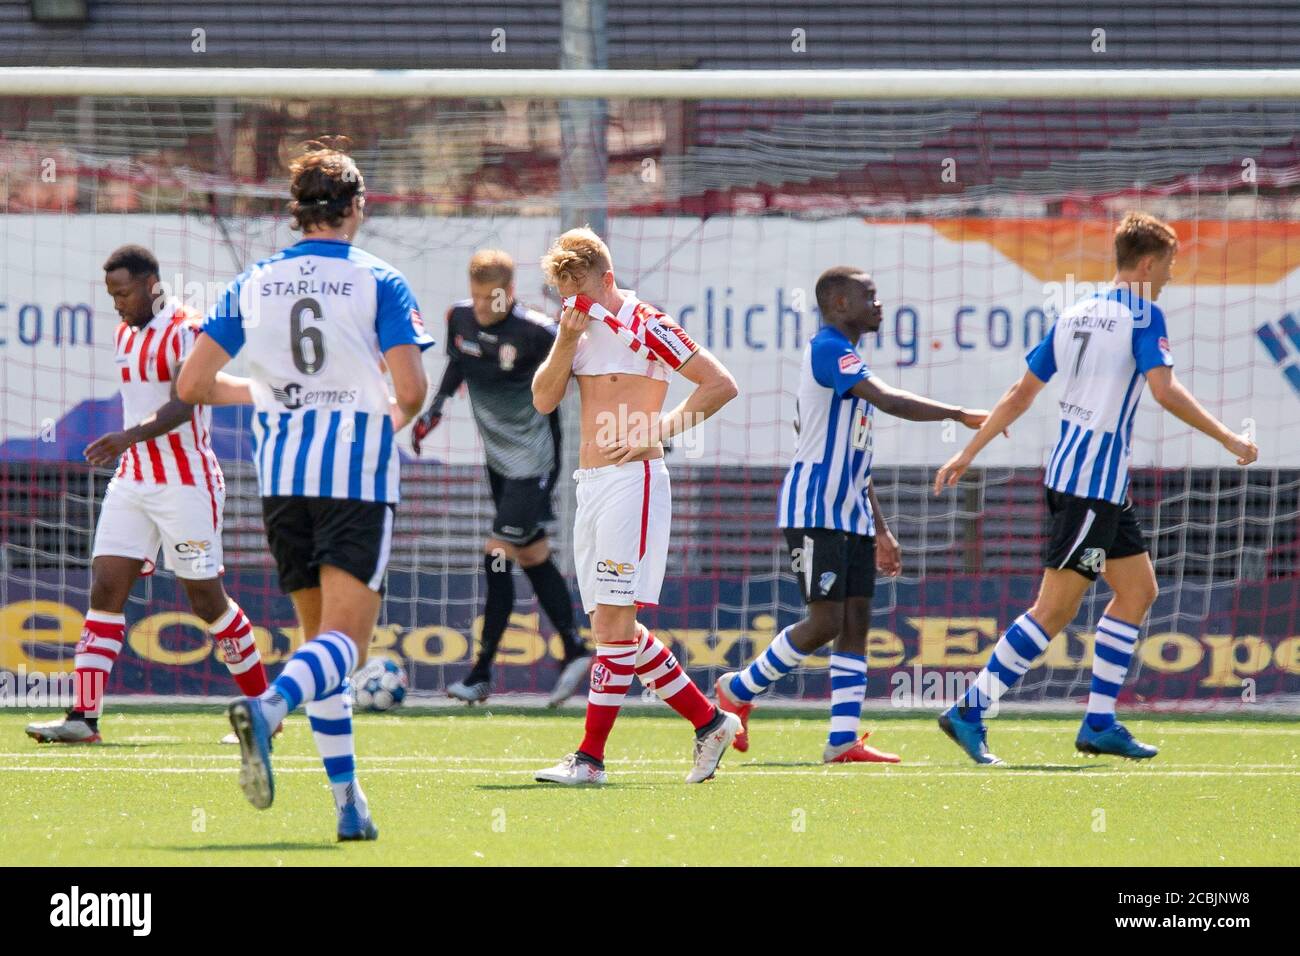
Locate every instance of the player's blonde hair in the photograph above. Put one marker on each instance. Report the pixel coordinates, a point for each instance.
(1141, 234)
(575, 255)
(492, 265)
(324, 180)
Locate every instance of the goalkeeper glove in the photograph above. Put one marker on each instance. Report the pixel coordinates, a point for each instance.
(426, 423)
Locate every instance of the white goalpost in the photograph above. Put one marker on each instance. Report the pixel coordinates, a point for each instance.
(651, 84)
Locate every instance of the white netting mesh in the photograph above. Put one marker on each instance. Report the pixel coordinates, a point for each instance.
(977, 219)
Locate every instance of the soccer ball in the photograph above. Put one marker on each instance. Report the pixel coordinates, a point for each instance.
(380, 685)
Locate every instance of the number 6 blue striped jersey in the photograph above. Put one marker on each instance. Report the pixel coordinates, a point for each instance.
(316, 319)
(1104, 346)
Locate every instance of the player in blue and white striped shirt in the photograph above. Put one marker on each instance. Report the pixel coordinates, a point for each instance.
(1105, 349)
(828, 509)
(320, 321)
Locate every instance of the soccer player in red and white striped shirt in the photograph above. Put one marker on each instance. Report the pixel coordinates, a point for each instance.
(168, 491)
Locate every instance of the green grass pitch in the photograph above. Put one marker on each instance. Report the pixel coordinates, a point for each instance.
(455, 787)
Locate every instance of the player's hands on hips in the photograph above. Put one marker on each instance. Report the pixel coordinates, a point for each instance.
(573, 323)
(889, 557)
(632, 446)
(951, 472)
(107, 449)
(1241, 446)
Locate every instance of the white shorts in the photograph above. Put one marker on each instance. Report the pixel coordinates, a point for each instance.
(185, 520)
(620, 533)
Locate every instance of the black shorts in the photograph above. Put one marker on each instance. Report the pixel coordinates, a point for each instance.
(1087, 531)
(832, 565)
(304, 533)
(523, 505)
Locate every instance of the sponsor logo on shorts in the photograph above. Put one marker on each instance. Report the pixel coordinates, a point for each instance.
(1093, 559)
(826, 581)
(292, 396)
(192, 547)
(616, 568)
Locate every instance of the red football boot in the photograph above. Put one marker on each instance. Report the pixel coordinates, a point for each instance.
(725, 703)
(858, 752)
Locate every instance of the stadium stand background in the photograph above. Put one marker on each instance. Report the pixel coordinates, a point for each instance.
(409, 34)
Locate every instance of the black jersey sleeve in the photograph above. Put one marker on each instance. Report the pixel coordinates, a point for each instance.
(454, 375)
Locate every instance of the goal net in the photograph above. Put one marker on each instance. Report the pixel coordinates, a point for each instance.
(980, 219)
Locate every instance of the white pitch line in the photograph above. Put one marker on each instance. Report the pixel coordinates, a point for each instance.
(916, 725)
(365, 761)
(885, 774)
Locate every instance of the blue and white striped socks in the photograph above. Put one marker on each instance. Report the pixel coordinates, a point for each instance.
(315, 671)
(1111, 654)
(1014, 653)
(331, 728)
(848, 690)
(780, 658)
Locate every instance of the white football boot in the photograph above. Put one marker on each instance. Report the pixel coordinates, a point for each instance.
(570, 680)
(65, 730)
(474, 693)
(710, 747)
(572, 771)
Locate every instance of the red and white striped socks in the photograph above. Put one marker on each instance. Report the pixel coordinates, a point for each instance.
(233, 635)
(101, 642)
(658, 669)
(611, 675)
(103, 635)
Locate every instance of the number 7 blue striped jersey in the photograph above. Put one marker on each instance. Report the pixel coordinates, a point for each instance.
(826, 485)
(316, 319)
(1103, 347)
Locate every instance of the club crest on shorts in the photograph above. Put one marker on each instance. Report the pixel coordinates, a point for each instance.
(826, 581)
(1093, 559)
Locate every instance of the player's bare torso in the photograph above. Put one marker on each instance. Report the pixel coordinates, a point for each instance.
(611, 405)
